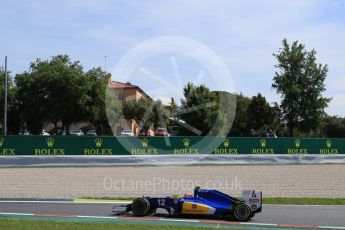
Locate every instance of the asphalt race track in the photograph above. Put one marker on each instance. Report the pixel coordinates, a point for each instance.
(282, 215)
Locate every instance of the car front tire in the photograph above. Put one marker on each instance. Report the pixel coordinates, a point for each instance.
(140, 207)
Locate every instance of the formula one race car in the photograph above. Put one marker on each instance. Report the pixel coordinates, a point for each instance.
(204, 202)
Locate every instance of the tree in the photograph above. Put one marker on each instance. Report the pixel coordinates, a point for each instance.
(96, 105)
(240, 126)
(334, 127)
(172, 107)
(161, 115)
(112, 111)
(146, 112)
(138, 110)
(30, 111)
(279, 123)
(260, 113)
(13, 118)
(204, 112)
(300, 81)
(53, 91)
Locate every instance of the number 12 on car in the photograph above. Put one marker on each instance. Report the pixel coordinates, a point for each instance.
(161, 202)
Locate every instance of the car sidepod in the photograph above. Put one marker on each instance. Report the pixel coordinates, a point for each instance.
(197, 208)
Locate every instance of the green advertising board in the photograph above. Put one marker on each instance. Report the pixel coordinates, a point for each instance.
(67, 145)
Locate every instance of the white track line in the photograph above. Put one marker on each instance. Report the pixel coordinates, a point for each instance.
(330, 227)
(16, 214)
(262, 224)
(102, 202)
(180, 220)
(36, 201)
(63, 202)
(304, 205)
(98, 217)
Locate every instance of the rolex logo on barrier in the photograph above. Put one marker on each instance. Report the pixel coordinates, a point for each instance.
(329, 149)
(226, 143)
(5, 151)
(98, 142)
(186, 142)
(186, 149)
(263, 149)
(50, 150)
(144, 142)
(144, 150)
(297, 143)
(226, 149)
(2, 140)
(50, 142)
(297, 148)
(98, 150)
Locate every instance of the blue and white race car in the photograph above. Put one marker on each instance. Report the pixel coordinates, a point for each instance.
(204, 202)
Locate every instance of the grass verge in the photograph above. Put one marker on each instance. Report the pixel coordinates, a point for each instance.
(48, 225)
(304, 200)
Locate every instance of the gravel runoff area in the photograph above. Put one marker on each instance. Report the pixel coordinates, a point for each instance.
(132, 181)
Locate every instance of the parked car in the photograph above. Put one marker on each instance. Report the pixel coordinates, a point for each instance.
(76, 133)
(44, 133)
(174, 130)
(127, 133)
(25, 133)
(162, 132)
(144, 133)
(91, 132)
(58, 131)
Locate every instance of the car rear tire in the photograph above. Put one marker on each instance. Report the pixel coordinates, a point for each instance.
(140, 207)
(242, 212)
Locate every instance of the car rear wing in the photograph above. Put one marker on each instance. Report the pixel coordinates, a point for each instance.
(254, 199)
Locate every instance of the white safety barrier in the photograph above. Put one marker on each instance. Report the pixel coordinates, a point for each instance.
(202, 159)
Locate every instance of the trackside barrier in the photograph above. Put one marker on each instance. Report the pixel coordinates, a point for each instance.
(106, 146)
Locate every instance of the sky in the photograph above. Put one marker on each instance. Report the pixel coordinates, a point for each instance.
(243, 34)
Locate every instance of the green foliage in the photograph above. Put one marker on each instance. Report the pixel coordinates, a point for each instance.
(260, 114)
(226, 112)
(141, 110)
(112, 115)
(97, 81)
(146, 113)
(279, 124)
(240, 126)
(97, 85)
(206, 112)
(13, 119)
(160, 115)
(172, 107)
(52, 91)
(59, 90)
(300, 81)
(334, 127)
(254, 116)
